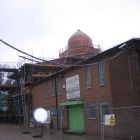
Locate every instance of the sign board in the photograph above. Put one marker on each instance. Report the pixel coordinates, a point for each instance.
(110, 120)
(73, 87)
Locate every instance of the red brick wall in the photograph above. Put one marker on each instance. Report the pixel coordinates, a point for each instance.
(125, 91)
(39, 98)
(125, 80)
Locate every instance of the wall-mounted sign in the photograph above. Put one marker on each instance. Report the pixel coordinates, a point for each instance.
(110, 119)
(73, 87)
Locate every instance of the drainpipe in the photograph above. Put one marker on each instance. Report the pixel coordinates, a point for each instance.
(56, 102)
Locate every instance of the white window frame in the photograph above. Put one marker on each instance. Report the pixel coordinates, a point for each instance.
(101, 70)
(88, 76)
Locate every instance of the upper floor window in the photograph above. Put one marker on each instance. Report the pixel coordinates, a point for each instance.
(59, 86)
(54, 87)
(47, 88)
(88, 76)
(101, 69)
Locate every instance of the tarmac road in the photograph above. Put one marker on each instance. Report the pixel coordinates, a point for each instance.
(13, 132)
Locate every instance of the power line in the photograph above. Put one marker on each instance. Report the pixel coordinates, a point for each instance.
(29, 59)
(96, 63)
(7, 44)
(121, 48)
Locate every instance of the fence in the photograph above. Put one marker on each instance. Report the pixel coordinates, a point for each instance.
(108, 124)
(102, 124)
(121, 124)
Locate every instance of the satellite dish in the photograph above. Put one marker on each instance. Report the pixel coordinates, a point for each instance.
(41, 115)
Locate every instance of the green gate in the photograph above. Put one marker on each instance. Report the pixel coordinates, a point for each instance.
(76, 118)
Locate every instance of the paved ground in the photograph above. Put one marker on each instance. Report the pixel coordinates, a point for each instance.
(13, 132)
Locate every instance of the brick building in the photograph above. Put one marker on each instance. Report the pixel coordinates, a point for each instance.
(107, 81)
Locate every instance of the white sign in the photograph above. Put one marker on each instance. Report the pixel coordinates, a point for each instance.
(110, 119)
(73, 87)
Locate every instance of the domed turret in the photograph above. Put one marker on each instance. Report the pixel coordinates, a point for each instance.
(79, 39)
(79, 46)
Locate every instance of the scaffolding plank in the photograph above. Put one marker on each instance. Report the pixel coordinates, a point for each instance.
(8, 70)
(39, 75)
(6, 87)
(45, 65)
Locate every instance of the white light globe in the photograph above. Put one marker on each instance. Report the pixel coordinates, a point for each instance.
(40, 115)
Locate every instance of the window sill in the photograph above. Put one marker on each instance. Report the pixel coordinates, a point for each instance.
(53, 95)
(101, 85)
(88, 87)
(91, 118)
(47, 96)
(54, 117)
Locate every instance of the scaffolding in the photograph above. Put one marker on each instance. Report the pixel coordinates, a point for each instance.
(17, 83)
(7, 88)
(15, 99)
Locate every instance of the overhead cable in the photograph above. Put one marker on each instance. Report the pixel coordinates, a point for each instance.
(95, 63)
(29, 54)
(29, 59)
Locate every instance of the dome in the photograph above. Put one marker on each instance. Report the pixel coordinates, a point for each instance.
(79, 39)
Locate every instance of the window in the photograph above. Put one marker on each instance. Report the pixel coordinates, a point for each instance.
(101, 73)
(105, 108)
(88, 76)
(57, 111)
(53, 112)
(61, 111)
(91, 111)
(59, 86)
(54, 87)
(47, 88)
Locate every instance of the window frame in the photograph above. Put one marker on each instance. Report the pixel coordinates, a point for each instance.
(61, 110)
(101, 71)
(54, 87)
(53, 112)
(108, 110)
(59, 86)
(47, 86)
(88, 76)
(89, 116)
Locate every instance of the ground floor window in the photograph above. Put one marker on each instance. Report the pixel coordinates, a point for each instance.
(105, 108)
(53, 112)
(61, 111)
(91, 110)
(57, 111)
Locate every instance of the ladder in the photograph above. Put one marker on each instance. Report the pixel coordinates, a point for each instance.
(23, 99)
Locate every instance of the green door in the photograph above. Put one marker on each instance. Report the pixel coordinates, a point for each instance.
(76, 118)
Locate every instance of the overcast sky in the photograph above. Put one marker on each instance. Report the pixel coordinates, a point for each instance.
(43, 27)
